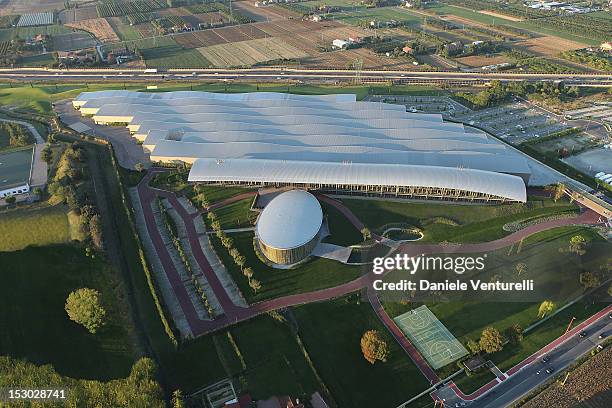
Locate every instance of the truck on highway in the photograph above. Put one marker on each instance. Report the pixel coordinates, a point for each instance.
(150, 71)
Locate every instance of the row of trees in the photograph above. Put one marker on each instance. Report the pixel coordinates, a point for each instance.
(228, 244)
(70, 186)
(139, 389)
(15, 135)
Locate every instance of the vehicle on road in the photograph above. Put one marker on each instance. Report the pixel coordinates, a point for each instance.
(549, 370)
(582, 334)
(545, 359)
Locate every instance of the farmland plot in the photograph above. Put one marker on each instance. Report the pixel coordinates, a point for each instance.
(76, 15)
(125, 32)
(212, 18)
(99, 27)
(73, 41)
(267, 13)
(251, 52)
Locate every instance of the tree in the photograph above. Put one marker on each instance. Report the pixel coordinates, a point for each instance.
(95, 231)
(473, 346)
(578, 245)
(248, 272)
(545, 308)
(514, 334)
(589, 280)
(178, 400)
(240, 260)
(255, 285)
(139, 167)
(46, 154)
(84, 307)
(10, 199)
(610, 290)
(374, 347)
(365, 232)
(557, 190)
(521, 268)
(491, 340)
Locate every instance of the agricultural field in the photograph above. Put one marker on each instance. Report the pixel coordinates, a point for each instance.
(267, 13)
(588, 385)
(112, 8)
(99, 27)
(8, 21)
(476, 61)
(5, 47)
(35, 19)
(76, 15)
(125, 32)
(73, 41)
(30, 6)
(252, 52)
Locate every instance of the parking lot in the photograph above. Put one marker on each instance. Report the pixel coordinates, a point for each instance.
(423, 103)
(516, 122)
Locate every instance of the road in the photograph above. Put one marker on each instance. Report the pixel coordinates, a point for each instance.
(531, 373)
(291, 75)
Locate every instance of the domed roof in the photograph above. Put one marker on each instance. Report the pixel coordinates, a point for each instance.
(290, 220)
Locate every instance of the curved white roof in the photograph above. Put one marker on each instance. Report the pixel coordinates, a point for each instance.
(358, 174)
(290, 220)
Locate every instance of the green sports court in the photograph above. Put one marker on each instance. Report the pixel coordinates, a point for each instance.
(430, 336)
(15, 168)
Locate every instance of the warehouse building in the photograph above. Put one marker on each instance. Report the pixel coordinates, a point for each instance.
(289, 227)
(325, 142)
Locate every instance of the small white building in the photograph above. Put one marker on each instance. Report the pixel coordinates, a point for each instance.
(15, 190)
(340, 43)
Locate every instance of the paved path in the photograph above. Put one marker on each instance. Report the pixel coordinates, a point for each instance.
(234, 313)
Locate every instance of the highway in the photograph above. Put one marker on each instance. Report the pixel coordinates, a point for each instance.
(289, 75)
(560, 355)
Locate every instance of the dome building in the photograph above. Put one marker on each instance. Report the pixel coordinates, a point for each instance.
(289, 227)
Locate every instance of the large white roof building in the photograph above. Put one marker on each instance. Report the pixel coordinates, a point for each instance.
(328, 142)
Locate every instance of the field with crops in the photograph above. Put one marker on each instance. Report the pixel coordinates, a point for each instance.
(99, 27)
(112, 8)
(251, 52)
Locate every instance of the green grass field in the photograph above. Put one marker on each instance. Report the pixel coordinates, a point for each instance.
(40, 226)
(15, 166)
(331, 332)
(378, 14)
(34, 284)
(275, 364)
(532, 25)
(476, 223)
(342, 232)
(317, 273)
(236, 215)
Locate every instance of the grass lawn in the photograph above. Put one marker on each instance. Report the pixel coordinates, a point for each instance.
(236, 215)
(317, 273)
(214, 194)
(40, 60)
(341, 230)
(476, 223)
(34, 285)
(36, 226)
(331, 333)
(275, 365)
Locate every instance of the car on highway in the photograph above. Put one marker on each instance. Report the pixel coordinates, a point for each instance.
(603, 336)
(583, 334)
(545, 359)
(549, 370)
